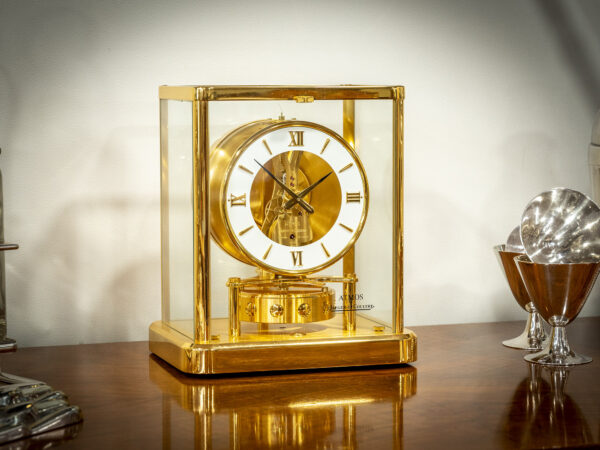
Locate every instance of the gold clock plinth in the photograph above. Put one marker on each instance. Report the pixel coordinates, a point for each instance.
(282, 346)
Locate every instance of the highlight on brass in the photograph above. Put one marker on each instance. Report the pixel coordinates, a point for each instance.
(289, 303)
(294, 226)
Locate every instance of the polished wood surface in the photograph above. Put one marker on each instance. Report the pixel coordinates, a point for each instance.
(465, 391)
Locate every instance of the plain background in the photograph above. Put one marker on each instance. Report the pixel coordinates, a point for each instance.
(501, 97)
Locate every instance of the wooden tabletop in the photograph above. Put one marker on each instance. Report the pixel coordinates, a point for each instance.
(465, 391)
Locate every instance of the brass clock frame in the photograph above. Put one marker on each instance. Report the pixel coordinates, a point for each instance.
(216, 347)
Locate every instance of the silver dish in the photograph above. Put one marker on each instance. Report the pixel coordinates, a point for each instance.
(514, 243)
(561, 226)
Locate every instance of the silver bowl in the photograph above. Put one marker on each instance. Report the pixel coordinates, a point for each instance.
(561, 226)
(514, 243)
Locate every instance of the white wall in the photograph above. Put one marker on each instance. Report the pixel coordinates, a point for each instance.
(500, 100)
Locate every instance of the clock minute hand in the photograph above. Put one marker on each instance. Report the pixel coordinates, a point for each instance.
(302, 203)
(301, 194)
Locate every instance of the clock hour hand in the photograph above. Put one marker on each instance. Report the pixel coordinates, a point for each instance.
(309, 209)
(291, 202)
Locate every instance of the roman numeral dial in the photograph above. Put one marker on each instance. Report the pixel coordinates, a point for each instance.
(353, 197)
(295, 197)
(297, 258)
(297, 139)
(237, 200)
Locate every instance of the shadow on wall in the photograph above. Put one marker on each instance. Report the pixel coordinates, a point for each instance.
(577, 44)
(94, 276)
(10, 106)
(464, 223)
(452, 230)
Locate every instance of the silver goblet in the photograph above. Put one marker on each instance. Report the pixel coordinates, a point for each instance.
(533, 336)
(558, 291)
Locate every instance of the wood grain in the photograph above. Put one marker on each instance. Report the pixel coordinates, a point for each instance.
(465, 391)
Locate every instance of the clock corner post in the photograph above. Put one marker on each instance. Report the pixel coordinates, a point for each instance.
(201, 206)
(349, 290)
(398, 262)
(234, 285)
(164, 210)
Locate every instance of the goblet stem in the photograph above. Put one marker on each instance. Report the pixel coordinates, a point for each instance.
(536, 328)
(559, 345)
(533, 336)
(558, 352)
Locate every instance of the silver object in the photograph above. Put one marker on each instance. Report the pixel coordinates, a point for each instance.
(29, 408)
(594, 159)
(561, 226)
(6, 344)
(533, 336)
(558, 292)
(514, 243)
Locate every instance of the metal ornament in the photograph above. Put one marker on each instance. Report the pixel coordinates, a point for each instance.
(514, 243)
(6, 344)
(594, 159)
(559, 292)
(533, 336)
(561, 226)
(29, 408)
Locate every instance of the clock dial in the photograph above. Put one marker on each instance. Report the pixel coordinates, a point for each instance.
(296, 198)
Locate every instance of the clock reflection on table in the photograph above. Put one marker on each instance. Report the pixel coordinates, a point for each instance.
(318, 409)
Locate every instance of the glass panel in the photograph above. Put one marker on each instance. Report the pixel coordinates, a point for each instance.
(179, 218)
(374, 248)
(374, 257)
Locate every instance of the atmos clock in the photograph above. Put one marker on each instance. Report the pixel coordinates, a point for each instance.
(269, 215)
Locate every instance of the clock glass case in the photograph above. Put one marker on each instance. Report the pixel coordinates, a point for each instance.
(281, 219)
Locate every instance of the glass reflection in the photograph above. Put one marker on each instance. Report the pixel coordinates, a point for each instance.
(298, 410)
(543, 415)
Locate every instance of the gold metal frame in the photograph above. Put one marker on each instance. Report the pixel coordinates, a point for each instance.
(357, 345)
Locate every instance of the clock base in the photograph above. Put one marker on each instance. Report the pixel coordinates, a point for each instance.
(283, 347)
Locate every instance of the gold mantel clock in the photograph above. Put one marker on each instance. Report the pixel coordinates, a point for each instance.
(281, 219)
